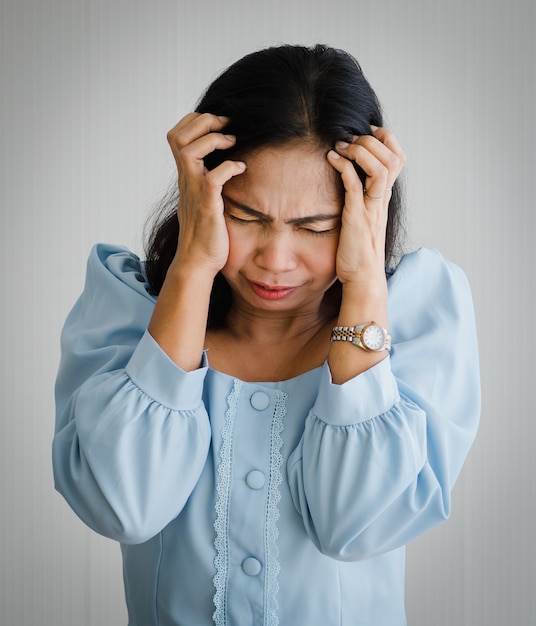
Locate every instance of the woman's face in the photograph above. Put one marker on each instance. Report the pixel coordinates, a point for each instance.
(283, 218)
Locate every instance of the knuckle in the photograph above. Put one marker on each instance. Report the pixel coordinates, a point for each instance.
(186, 152)
(352, 182)
(212, 179)
(211, 120)
(393, 160)
(341, 164)
(379, 170)
(353, 187)
(172, 137)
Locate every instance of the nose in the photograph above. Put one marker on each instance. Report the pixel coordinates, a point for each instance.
(276, 253)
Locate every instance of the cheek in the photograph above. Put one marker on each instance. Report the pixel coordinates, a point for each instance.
(323, 258)
(238, 251)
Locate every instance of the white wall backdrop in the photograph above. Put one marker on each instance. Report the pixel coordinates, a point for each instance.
(89, 89)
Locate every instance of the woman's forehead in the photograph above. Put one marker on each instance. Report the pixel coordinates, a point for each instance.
(295, 174)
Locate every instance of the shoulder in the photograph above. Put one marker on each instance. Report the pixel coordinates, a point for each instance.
(116, 268)
(427, 274)
(115, 296)
(428, 291)
(426, 264)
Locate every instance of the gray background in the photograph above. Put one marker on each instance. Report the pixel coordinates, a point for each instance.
(88, 91)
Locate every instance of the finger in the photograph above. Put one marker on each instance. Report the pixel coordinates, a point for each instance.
(352, 184)
(185, 121)
(217, 177)
(181, 124)
(381, 163)
(193, 126)
(371, 160)
(388, 139)
(191, 156)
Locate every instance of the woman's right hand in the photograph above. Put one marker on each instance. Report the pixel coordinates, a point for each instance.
(179, 319)
(203, 239)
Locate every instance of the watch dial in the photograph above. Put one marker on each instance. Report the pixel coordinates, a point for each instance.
(373, 337)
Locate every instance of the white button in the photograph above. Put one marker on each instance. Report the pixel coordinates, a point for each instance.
(260, 400)
(255, 479)
(251, 566)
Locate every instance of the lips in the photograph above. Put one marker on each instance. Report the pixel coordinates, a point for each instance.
(268, 292)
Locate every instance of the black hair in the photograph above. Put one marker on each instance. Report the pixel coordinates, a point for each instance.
(273, 96)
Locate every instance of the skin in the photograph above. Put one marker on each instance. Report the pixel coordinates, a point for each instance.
(258, 222)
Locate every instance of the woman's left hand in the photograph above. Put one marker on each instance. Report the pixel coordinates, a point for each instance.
(361, 251)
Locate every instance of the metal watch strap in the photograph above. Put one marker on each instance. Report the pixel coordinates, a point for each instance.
(343, 333)
(353, 335)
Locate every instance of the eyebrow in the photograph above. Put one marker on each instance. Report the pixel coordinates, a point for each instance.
(319, 217)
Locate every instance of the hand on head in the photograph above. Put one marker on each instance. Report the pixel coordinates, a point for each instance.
(203, 236)
(361, 254)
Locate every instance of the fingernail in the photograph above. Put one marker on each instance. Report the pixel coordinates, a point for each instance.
(342, 145)
(334, 154)
(223, 118)
(230, 137)
(242, 164)
(375, 127)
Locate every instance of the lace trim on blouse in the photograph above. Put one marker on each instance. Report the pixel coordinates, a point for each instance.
(271, 584)
(223, 498)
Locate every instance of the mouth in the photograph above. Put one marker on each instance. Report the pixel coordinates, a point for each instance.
(268, 292)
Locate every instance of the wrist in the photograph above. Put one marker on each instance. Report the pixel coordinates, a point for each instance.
(189, 272)
(365, 288)
(359, 306)
(370, 336)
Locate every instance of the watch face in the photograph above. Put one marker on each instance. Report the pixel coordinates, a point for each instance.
(373, 337)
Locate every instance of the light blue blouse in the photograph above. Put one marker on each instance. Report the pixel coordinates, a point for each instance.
(241, 503)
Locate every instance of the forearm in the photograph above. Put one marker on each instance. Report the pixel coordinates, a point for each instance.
(179, 320)
(358, 307)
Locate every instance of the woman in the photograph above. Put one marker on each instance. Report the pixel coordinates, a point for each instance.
(267, 410)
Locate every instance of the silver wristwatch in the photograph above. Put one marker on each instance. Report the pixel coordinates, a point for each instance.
(370, 336)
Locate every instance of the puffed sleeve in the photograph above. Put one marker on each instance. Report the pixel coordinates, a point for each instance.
(380, 453)
(132, 433)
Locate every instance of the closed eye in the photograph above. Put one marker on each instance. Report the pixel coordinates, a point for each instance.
(311, 225)
(242, 220)
(315, 227)
(319, 233)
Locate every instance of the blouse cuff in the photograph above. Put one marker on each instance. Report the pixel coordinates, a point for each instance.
(152, 371)
(361, 398)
